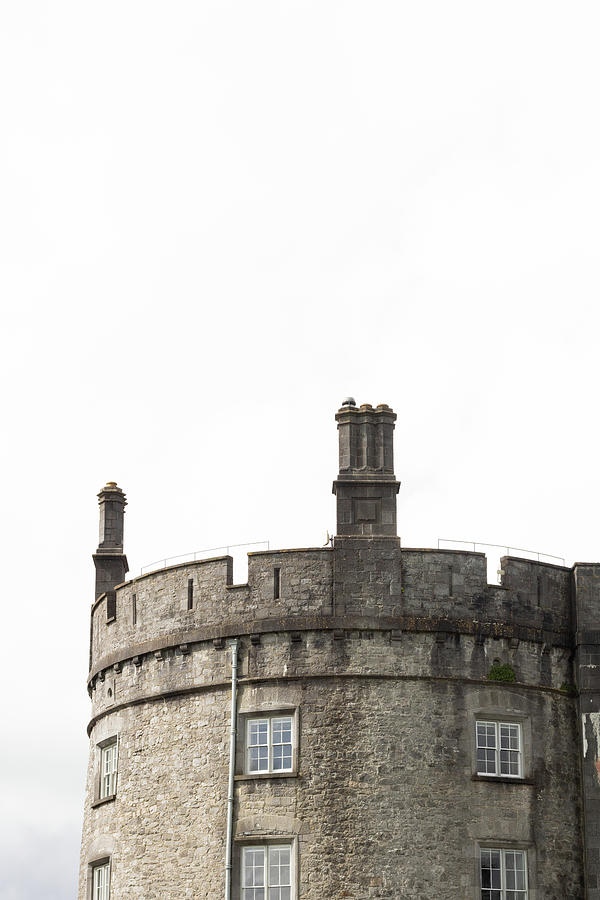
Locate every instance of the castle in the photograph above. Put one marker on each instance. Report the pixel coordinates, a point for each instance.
(359, 720)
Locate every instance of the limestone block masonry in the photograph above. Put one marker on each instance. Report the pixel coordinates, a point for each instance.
(376, 659)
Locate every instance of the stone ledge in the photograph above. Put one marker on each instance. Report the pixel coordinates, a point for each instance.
(265, 776)
(102, 800)
(277, 625)
(503, 779)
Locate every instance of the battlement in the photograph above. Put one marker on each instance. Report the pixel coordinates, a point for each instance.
(355, 581)
(201, 595)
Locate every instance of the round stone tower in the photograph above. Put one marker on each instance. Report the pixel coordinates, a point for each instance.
(357, 721)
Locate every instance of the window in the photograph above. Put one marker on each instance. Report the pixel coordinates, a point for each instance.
(108, 770)
(267, 872)
(268, 742)
(503, 874)
(101, 881)
(499, 749)
(269, 745)
(111, 606)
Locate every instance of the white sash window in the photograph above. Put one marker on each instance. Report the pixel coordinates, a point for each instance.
(101, 882)
(269, 744)
(108, 770)
(499, 749)
(503, 874)
(267, 872)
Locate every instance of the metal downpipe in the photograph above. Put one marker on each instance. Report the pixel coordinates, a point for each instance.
(232, 741)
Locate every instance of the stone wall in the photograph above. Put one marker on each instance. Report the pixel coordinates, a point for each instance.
(384, 802)
(383, 655)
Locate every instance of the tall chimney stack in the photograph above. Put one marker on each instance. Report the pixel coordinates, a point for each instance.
(366, 487)
(109, 559)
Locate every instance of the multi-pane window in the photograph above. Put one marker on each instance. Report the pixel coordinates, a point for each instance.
(499, 749)
(101, 882)
(266, 872)
(108, 770)
(269, 745)
(503, 875)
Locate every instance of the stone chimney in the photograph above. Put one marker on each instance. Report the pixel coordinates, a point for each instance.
(366, 487)
(109, 559)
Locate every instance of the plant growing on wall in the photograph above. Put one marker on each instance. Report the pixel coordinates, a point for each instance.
(501, 672)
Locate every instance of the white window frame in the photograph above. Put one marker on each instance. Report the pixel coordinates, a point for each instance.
(503, 891)
(497, 724)
(101, 880)
(109, 768)
(248, 892)
(270, 744)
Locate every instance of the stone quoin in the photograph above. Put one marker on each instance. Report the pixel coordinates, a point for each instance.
(374, 755)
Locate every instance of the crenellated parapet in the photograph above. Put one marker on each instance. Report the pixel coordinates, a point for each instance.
(373, 586)
(200, 597)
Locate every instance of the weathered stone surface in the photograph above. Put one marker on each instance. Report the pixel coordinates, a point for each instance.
(384, 791)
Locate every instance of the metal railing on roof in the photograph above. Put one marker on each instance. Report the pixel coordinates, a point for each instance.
(541, 557)
(199, 554)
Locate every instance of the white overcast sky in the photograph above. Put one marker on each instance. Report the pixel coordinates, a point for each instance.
(218, 219)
